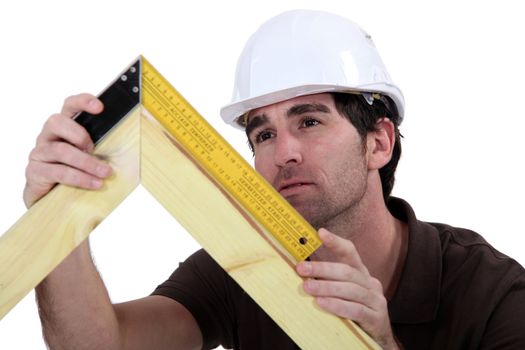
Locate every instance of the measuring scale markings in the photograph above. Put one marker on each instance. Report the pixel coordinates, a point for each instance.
(224, 164)
(247, 192)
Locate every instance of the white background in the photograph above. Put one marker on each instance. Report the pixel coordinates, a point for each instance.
(460, 65)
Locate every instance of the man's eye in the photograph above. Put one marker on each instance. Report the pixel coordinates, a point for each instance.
(309, 122)
(263, 136)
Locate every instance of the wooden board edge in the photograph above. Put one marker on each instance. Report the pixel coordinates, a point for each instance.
(235, 241)
(61, 220)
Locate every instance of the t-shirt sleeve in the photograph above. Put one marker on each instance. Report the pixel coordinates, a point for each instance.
(202, 286)
(506, 326)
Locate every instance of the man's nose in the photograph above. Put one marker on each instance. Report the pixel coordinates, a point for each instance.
(287, 149)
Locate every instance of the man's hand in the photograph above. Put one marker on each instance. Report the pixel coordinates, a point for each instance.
(62, 153)
(345, 288)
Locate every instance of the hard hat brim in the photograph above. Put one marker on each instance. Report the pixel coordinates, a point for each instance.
(232, 112)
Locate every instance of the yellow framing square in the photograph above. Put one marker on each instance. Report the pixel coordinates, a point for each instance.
(142, 152)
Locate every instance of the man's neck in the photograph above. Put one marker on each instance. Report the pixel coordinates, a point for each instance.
(380, 239)
(383, 249)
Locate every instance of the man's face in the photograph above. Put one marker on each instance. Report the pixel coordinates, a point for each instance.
(311, 154)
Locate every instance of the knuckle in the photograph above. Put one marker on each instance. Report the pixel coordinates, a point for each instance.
(56, 150)
(382, 303)
(65, 175)
(50, 128)
(350, 251)
(376, 284)
(29, 171)
(314, 268)
(74, 177)
(40, 138)
(68, 176)
(350, 246)
(348, 273)
(359, 312)
(60, 176)
(83, 138)
(337, 289)
(61, 148)
(33, 154)
(87, 164)
(34, 172)
(70, 100)
(53, 121)
(365, 297)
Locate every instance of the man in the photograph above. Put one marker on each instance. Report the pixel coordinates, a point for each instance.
(322, 117)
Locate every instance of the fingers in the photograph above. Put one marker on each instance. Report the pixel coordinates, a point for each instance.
(345, 264)
(340, 281)
(346, 291)
(344, 287)
(62, 152)
(60, 127)
(359, 297)
(342, 250)
(333, 271)
(60, 162)
(43, 176)
(374, 320)
(81, 102)
(355, 311)
(338, 289)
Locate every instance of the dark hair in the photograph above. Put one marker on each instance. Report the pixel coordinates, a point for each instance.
(364, 117)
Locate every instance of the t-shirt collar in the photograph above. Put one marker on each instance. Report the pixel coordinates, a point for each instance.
(416, 298)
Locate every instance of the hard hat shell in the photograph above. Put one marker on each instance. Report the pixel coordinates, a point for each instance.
(305, 52)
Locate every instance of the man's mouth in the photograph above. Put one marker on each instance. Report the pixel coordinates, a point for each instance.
(290, 187)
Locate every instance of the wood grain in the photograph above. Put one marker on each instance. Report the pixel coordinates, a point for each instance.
(141, 151)
(238, 244)
(61, 220)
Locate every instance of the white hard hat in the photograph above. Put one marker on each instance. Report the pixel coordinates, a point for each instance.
(305, 52)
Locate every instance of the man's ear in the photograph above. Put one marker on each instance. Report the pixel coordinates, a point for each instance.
(380, 144)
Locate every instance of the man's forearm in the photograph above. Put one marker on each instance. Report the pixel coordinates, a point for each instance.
(74, 306)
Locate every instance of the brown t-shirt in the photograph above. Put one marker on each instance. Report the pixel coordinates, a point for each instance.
(455, 292)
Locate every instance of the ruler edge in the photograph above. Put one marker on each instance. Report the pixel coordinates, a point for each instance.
(275, 194)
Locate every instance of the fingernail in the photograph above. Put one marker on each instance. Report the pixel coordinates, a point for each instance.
(96, 183)
(325, 235)
(94, 104)
(103, 170)
(310, 285)
(321, 301)
(305, 267)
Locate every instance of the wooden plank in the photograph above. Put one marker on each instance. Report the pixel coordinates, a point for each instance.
(61, 220)
(140, 150)
(238, 244)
